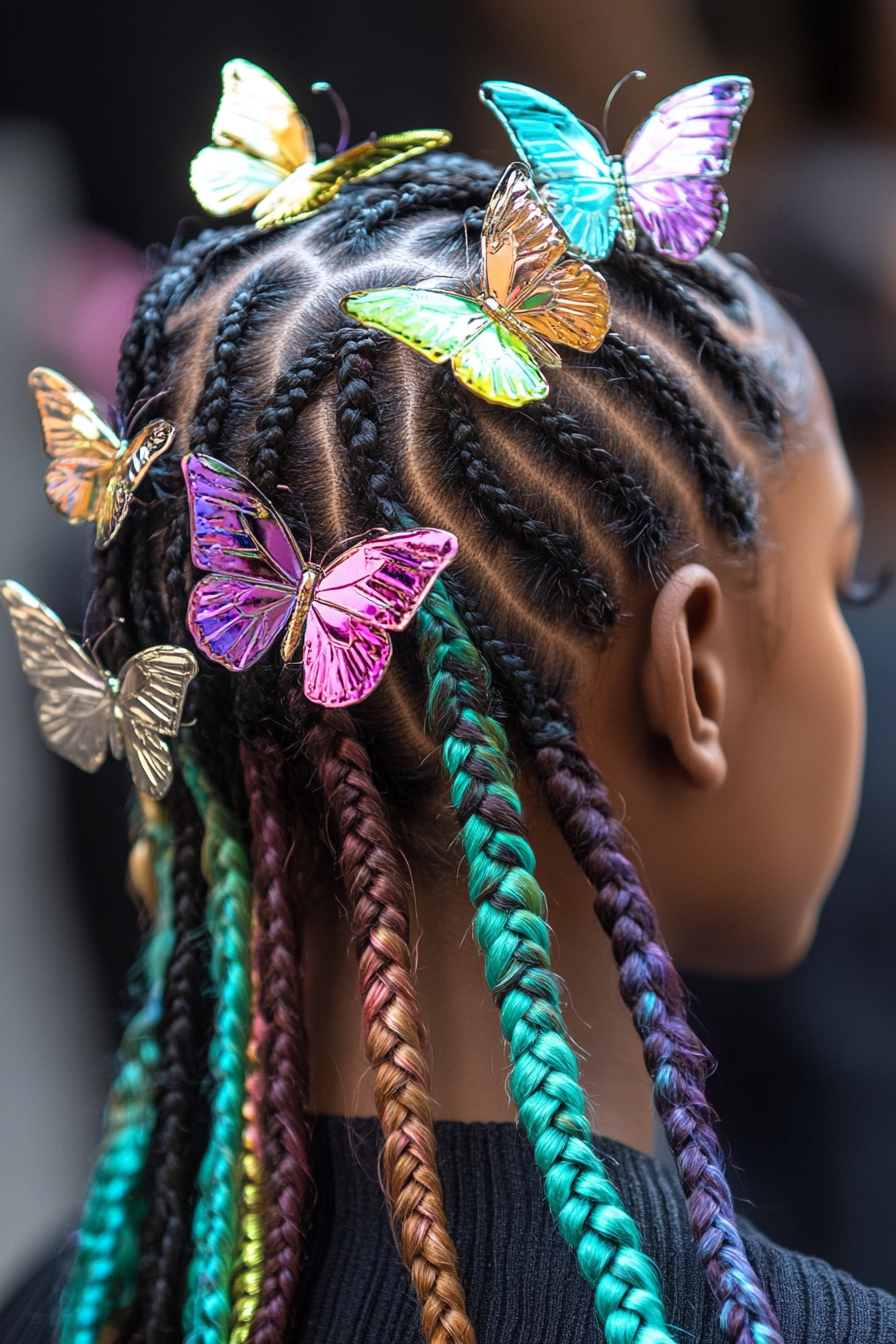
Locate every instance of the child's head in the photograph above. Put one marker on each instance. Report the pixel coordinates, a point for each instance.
(654, 553)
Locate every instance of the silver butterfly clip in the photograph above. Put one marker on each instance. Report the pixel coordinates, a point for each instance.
(84, 711)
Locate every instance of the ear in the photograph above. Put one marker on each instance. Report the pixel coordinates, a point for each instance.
(684, 678)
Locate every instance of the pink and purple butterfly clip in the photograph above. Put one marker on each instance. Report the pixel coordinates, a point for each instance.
(260, 586)
(666, 179)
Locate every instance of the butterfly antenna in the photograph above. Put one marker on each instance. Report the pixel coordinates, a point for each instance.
(142, 405)
(345, 126)
(92, 645)
(632, 74)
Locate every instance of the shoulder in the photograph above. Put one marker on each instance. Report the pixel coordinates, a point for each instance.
(813, 1301)
(30, 1315)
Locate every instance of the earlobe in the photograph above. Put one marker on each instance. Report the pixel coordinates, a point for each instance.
(684, 679)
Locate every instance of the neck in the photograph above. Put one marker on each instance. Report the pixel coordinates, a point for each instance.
(468, 1054)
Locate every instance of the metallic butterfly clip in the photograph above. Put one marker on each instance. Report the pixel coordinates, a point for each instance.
(261, 586)
(263, 153)
(83, 710)
(666, 179)
(93, 473)
(499, 334)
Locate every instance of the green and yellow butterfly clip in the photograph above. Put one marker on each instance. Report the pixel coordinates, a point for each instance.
(499, 336)
(263, 155)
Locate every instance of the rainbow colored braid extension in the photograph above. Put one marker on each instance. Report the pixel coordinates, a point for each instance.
(512, 932)
(104, 1273)
(250, 1262)
(208, 1312)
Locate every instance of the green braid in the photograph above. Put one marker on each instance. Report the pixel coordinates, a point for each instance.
(207, 1313)
(104, 1273)
(512, 932)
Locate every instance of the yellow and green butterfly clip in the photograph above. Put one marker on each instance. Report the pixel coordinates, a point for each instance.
(263, 154)
(498, 337)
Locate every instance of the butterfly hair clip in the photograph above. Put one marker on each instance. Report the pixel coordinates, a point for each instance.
(83, 711)
(499, 336)
(666, 180)
(261, 587)
(94, 469)
(263, 158)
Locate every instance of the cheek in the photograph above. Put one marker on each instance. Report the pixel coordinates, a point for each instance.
(817, 764)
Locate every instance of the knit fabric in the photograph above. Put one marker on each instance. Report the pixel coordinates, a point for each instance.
(520, 1276)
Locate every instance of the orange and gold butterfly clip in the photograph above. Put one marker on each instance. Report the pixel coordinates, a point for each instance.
(499, 336)
(93, 471)
(262, 153)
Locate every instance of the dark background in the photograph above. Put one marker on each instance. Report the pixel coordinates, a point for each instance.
(807, 1078)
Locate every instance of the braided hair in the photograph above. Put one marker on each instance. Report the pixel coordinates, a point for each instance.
(661, 435)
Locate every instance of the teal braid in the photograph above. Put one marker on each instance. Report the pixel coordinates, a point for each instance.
(512, 932)
(104, 1274)
(207, 1312)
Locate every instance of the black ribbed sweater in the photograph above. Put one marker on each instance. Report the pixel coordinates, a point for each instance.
(520, 1277)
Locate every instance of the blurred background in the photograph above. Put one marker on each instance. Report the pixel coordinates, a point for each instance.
(102, 106)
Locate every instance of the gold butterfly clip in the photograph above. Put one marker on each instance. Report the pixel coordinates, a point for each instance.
(83, 711)
(499, 335)
(263, 154)
(93, 473)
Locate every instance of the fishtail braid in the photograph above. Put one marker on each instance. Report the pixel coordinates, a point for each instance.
(207, 1311)
(284, 1122)
(372, 870)
(103, 1277)
(511, 929)
(166, 1237)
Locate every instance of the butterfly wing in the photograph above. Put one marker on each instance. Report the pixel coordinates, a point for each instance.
(673, 161)
(130, 467)
(236, 612)
(304, 192)
(73, 700)
(569, 166)
(432, 322)
(492, 362)
(384, 580)
(521, 250)
(225, 181)
(79, 443)
(375, 587)
(151, 700)
(259, 138)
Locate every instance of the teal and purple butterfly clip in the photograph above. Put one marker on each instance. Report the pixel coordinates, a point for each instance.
(260, 588)
(666, 181)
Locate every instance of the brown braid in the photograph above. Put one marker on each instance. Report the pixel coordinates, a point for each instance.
(378, 890)
(284, 1063)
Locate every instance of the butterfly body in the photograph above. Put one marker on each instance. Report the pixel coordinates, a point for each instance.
(263, 158)
(93, 473)
(260, 588)
(666, 181)
(84, 711)
(499, 336)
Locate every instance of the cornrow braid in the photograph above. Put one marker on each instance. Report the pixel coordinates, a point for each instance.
(377, 888)
(641, 525)
(386, 204)
(512, 931)
(208, 425)
(728, 497)
(589, 600)
(207, 1312)
(103, 1277)
(282, 1105)
(166, 1237)
(661, 287)
(292, 392)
